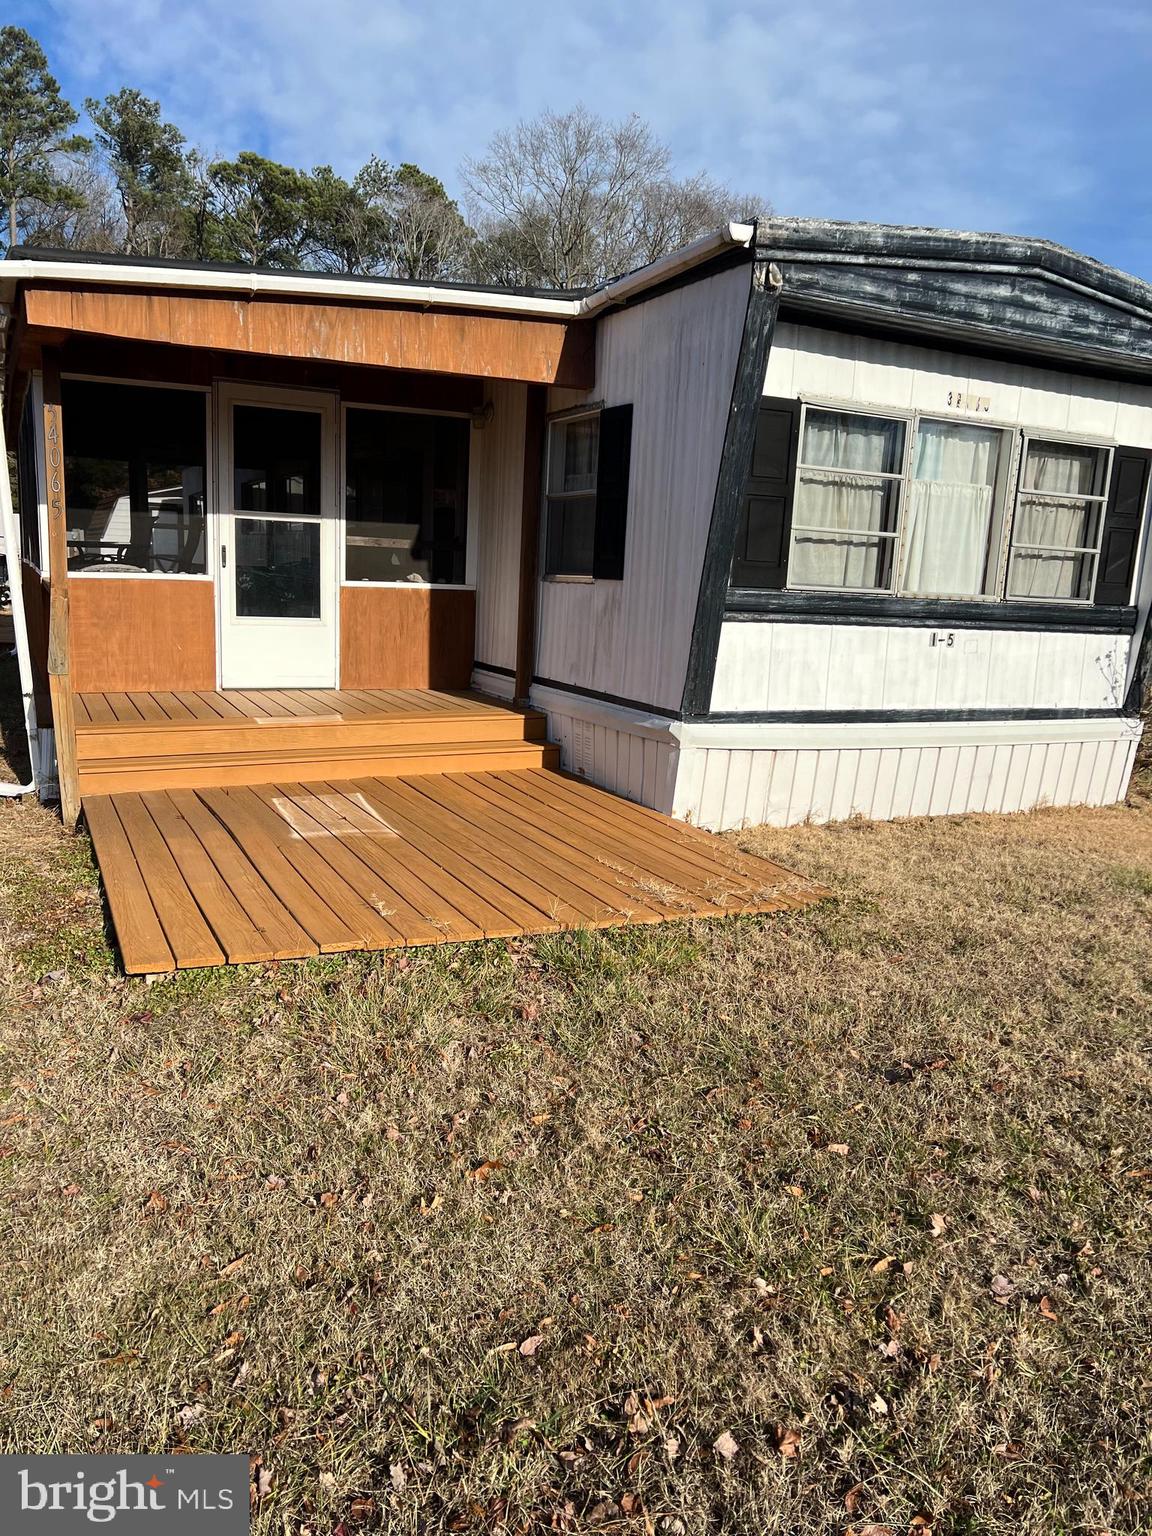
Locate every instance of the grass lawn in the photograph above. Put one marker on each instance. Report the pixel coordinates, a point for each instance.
(825, 1222)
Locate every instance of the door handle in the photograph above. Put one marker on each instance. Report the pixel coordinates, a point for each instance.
(223, 557)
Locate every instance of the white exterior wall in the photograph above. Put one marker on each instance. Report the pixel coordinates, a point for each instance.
(764, 666)
(674, 359)
(497, 459)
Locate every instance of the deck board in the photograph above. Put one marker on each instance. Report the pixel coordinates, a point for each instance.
(284, 870)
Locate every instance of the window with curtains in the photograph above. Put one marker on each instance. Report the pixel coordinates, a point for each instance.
(1059, 521)
(837, 499)
(885, 505)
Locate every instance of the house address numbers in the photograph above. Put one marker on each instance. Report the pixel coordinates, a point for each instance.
(962, 400)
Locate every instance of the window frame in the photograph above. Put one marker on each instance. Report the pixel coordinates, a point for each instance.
(908, 419)
(207, 390)
(595, 409)
(348, 403)
(1002, 543)
(1027, 438)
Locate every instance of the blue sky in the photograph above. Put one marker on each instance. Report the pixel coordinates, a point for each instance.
(1019, 116)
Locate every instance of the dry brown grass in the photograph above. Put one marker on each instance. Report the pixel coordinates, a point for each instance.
(753, 1177)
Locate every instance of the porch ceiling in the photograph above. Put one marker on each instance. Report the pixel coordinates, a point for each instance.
(532, 349)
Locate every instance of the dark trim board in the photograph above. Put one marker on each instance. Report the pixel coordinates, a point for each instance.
(606, 698)
(899, 716)
(490, 666)
(837, 716)
(747, 392)
(749, 605)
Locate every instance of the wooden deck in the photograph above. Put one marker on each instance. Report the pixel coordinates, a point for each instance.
(233, 706)
(146, 741)
(284, 869)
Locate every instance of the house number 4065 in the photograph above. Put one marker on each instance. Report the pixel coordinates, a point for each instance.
(938, 639)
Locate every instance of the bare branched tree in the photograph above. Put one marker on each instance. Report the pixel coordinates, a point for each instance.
(569, 199)
(80, 211)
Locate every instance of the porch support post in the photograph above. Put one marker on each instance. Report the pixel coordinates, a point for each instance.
(59, 626)
(535, 410)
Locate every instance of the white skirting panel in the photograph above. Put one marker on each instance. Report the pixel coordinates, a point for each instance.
(494, 683)
(635, 756)
(977, 768)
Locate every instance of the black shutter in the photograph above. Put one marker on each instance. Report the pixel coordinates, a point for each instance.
(612, 492)
(762, 534)
(1127, 496)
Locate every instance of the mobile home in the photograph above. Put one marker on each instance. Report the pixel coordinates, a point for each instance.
(807, 520)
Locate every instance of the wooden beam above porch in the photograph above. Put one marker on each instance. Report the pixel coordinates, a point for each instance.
(533, 349)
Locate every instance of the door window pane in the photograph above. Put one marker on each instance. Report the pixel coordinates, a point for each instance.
(407, 497)
(134, 477)
(277, 569)
(951, 509)
(276, 455)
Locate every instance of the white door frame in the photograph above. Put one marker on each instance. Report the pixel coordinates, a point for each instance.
(322, 670)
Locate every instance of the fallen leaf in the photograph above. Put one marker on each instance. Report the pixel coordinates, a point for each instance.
(1002, 1289)
(795, 1191)
(937, 1224)
(397, 1477)
(156, 1202)
(188, 1414)
(531, 1344)
(726, 1445)
(839, 1147)
(233, 1265)
(274, 1181)
(1048, 1310)
(484, 1170)
(787, 1442)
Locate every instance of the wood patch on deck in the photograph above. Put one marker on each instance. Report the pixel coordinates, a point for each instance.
(279, 871)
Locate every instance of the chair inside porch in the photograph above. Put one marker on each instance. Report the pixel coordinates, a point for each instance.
(254, 825)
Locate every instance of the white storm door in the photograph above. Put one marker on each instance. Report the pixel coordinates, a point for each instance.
(278, 515)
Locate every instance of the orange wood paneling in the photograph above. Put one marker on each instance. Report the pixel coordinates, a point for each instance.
(406, 637)
(142, 633)
(107, 357)
(394, 336)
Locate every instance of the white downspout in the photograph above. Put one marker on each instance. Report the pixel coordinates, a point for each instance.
(19, 621)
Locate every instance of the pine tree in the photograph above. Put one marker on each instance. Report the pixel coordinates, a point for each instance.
(34, 124)
(145, 157)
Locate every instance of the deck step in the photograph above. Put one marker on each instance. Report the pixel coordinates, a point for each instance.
(273, 758)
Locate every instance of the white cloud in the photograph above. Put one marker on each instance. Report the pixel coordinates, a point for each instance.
(958, 115)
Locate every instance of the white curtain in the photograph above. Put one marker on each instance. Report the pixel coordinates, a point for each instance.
(949, 513)
(844, 489)
(867, 443)
(1065, 470)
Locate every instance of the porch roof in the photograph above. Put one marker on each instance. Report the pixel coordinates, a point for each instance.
(33, 264)
(447, 328)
